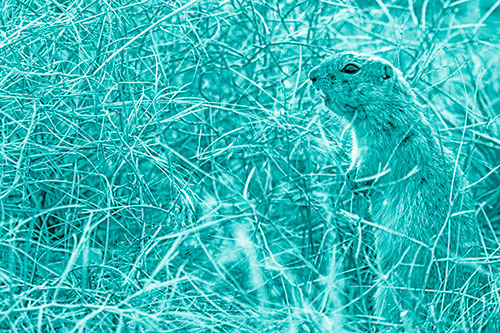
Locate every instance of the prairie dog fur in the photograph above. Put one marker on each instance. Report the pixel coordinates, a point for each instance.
(430, 262)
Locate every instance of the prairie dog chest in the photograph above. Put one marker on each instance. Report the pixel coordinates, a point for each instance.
(365, 161)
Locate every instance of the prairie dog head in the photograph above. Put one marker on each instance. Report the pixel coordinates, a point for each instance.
(355, 84)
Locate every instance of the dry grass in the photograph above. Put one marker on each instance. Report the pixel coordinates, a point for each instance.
(165, 166)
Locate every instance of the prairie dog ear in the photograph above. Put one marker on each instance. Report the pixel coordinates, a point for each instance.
(387, 71)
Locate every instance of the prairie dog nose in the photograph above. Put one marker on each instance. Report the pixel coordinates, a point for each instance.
(313, 74)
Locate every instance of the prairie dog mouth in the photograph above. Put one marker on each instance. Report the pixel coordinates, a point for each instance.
(326, 98)
(323, 94)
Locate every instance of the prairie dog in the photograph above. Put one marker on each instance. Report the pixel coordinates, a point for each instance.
(428, 245)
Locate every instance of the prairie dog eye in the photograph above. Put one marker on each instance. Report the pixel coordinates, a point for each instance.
(350, 69)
